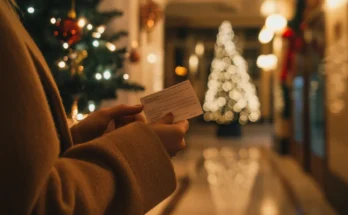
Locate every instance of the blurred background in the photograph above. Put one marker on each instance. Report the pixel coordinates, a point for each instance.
(271, 76)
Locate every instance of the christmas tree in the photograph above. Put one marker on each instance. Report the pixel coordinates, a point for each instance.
(85, 63)
(231, 95)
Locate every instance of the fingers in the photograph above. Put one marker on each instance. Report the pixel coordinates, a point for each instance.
(182, 144)
(140, 118)
(171, 135)
(178, 148)
(130, 119)
(111, 126)
(183, 126)
(124, 110)
(167, 119)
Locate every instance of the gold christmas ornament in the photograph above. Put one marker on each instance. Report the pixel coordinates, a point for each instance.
(76, 59)
(72, 11)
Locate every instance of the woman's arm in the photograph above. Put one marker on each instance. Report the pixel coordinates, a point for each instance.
(128, 176)
(125, 172)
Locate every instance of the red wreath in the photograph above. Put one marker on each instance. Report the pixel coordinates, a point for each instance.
(294, 44)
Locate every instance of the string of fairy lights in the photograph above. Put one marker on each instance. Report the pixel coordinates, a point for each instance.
(97, 34)
(73, 60)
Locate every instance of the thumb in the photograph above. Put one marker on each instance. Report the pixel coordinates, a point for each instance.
(124, 110)
(167, 119)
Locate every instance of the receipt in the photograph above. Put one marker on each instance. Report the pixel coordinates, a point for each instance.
(180, 99)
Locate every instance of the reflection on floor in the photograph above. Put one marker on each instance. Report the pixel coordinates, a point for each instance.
(231, 175)
(228, 176)
(268, 195)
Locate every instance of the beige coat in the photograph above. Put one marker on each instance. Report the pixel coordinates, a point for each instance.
(125, 172)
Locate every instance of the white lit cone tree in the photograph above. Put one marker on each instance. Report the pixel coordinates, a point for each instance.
(231, 96)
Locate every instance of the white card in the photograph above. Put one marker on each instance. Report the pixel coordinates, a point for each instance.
(180, 99)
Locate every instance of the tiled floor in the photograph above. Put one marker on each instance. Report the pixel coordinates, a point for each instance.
(229, 176)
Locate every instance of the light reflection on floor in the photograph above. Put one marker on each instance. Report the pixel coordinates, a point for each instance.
(268, 207)
(231, 174)
(234, 179)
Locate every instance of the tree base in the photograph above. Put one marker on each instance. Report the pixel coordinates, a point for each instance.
(231, 130)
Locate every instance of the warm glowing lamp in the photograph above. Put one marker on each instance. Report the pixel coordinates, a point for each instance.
(152, 58)
(199, 49)
(268, 7)
(332, 4)
(276, 22)
(266, 35)
(267, 62)
(194, 63)
(181, 71)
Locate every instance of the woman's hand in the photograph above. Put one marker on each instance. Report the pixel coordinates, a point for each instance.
(104, 121)
(171, 135)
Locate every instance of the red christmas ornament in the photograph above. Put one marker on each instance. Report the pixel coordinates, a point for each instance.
(67, 30)
(134, 56)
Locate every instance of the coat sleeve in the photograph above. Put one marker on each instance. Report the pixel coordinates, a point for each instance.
(125, 172)
(117, 174)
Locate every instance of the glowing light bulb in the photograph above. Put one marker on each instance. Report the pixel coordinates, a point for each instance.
(199, 49)
(227, 86)
(101, 29)
(267, 62)
(82, 22)
(272, 61)
(266, 35)
(91, 107)
(221, 101)
(98, 76)
(229, 115)
(125, 76)
(332, 4)
(53, 20)
(134, 44)
(89, 27)
(268, 7)
(80, 116)
(95, 43)
(96, 35)
(276, 22)
(110, 46)
(253, 117)
(107, 75)
(193, 62)
(260, 61)
(61, 64)
(181, 71)
(31, 10)
(65, 45)
(152, 58)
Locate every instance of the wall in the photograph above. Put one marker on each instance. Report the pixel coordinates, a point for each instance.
(143, 72)
(337, 89)
(281, 125)
(265, 89)
(337, 103)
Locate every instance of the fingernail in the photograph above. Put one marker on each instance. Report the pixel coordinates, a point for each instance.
(138, 105)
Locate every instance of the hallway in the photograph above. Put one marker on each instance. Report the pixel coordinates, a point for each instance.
(230, 176)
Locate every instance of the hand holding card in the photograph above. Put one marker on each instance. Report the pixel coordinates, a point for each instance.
(180, 100)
